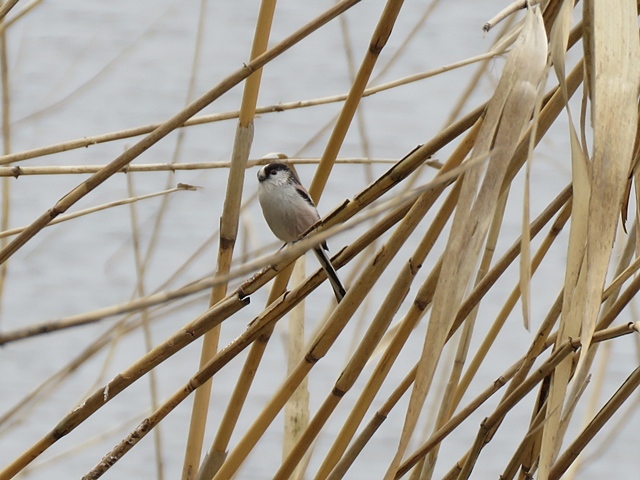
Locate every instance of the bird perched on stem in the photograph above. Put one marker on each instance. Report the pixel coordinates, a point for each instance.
(290, 211)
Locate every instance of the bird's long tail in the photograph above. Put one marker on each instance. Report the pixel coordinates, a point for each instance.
(332, 275)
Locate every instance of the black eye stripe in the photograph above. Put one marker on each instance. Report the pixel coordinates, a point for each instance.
(273, 168)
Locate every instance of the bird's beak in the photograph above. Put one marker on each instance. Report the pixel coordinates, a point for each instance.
(261, 175)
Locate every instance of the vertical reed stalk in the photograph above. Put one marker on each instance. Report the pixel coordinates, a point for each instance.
(378, 41)
(146, 329)
(296, 414)
(228, 232)
(6, 144)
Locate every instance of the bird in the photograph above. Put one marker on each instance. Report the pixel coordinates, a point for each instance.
(289, 211)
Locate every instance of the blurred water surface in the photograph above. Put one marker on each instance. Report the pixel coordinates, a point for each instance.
(80, 68)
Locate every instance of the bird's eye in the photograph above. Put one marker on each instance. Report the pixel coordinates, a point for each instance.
(272, 172)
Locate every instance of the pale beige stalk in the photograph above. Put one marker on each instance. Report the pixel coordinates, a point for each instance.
(507, 115)
(146, 329)
(229, 222)
(611, 49)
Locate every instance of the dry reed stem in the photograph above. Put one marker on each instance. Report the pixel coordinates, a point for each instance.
(611, 73)
(423, 298)
(52, 383)
(605, 413)
(563, 351)
(378, 41)
(513, 102)
(508, 11)
(609, 296)
(475, 79)
(216, 117)
(80, 213)
(164, 129)
(228, 230)
(86, 85)
(297, 409)
(525, 455)
(529, 449)
(510, 303)
(6, 8)
(193, 331)
(275, 312)
(341, 468)
(230, 417)
(363, 352)
(86, 318)
(608, 440)
(611, 44)
(399, 338)
(452, 423)
(218, 452)
(277, 262)
(539, 345)
(367, 394)
(6, 143)
(329, 333)
(447, 408)
(121, 328)
(191, 89)
(264, 323)
(186, 335)
(146, 329)
(17, 171)
(14, 18)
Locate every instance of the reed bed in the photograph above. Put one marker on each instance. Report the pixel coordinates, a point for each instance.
(489, 328)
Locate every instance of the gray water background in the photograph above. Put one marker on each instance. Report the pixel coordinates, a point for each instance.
(81, 68)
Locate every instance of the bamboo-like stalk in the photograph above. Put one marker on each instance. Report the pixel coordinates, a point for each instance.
(277, 262)
(6, 140)
(553, 366)
(14, 18)
(378, 41)
(99, 398)
(264, 323)
(609, 299)
(6, 8)
(615, 402)
(447, 408)
(500, 320)
(378, 326)
(297, 409)
(164, 129)
(443, 431)
(400, 336)
(563, 351)
(526, 446)
(229, 222)
(477, 75)
(146, 329)
(602, 333)
(422, 300)
(380, 36)
(98, 208)
(164, 204)
(217, 117)
(259, 326)
(17, 171)
(341, 468)
(327, 336)
(127, 325)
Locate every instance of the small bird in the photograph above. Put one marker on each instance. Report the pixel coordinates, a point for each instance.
(289, 212)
